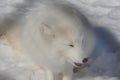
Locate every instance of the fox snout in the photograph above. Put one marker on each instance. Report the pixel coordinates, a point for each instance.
(85, 60)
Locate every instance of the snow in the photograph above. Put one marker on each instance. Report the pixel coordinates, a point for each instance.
(105, 63)
(115, 14)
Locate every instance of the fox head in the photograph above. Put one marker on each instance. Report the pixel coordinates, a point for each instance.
(67, 38)
(62, 35)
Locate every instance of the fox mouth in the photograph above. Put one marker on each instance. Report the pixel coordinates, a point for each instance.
(84, 61)
(77, 69)
(77, 64)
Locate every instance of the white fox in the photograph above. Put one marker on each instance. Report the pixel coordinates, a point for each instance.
(55, 36)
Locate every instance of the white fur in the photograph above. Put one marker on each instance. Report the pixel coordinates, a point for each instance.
(46, 37)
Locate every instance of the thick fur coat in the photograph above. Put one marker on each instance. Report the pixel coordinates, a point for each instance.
(55, 36)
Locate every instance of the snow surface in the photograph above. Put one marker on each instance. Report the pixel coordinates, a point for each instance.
(105, 63)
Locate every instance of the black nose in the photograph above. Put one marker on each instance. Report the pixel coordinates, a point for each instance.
(85, 60)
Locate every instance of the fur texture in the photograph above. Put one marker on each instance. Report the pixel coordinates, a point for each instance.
(55, 36)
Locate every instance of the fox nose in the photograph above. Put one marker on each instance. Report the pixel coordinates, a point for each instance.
(85, 60)
(78, 64)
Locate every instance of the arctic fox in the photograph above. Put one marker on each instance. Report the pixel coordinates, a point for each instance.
(55, 36)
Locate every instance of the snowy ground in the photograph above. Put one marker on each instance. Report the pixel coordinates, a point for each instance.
(105, 65)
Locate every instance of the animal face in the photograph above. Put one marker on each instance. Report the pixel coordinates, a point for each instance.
(65, 38)
(62, 36)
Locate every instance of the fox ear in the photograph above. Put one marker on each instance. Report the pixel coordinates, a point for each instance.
(47, 30)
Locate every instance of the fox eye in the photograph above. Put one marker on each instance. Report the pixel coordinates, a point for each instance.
(71, 45)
